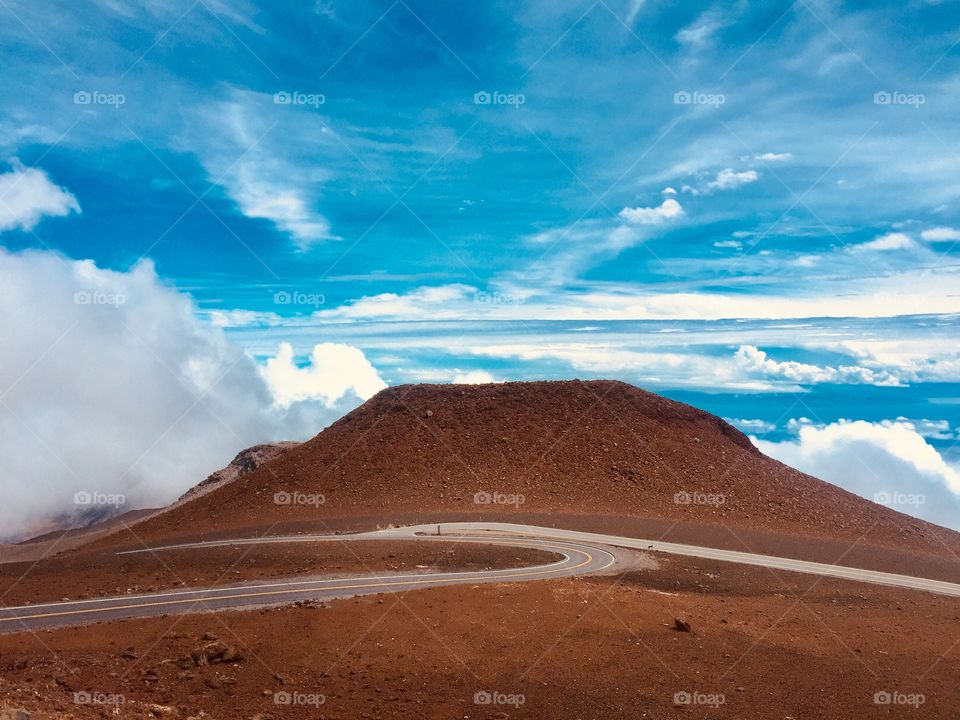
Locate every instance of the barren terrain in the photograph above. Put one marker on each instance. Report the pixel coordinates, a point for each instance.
(596, 456)
(102, 574)
(770, 645)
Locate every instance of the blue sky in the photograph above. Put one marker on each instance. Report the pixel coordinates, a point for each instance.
(749, 208)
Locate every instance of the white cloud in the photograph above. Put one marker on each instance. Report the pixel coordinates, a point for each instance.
(883, 243)
(242, 318)
(726, 179)
(774, 157)
(533, 296)
(27, 195)
(756, 361)
(730, 179)
(700, 31)
(734, 244)
(658, 368)
(752, 425)
(888, 461)
(237, 142)
(473, 377)
(667, 210)
(931, 429)
(334, 370)
(438, 302)
(748, 368)
(110, 383)
(633, 12)
(941, 234)
(806, 261)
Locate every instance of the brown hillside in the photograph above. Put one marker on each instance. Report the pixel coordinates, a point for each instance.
(594, 447)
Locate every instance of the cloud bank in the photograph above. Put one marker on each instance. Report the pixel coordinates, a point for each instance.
(888, 462)
(111, 386)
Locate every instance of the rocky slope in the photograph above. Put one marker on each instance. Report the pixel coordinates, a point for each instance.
(246, 461)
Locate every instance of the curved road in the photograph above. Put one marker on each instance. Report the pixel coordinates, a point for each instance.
(582, 553)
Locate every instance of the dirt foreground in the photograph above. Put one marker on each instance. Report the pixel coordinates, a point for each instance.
(761, 645)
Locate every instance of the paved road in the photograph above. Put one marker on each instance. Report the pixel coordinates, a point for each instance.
(583, 553)
(577, 559)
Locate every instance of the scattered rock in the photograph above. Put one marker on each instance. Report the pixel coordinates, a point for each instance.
(681, 625)
(14, 715)
(215, 652)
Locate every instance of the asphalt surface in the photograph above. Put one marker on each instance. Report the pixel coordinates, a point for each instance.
(582, 553)
(577, 559)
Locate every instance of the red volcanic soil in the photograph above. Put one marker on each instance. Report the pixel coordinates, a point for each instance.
(592, 448)
(763, 644)
(107, 574)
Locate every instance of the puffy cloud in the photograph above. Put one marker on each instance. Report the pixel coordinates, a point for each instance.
(883, 243)
(941, 234)
(27, 195)
(110, 384)
(889, 462)
(729, 179)
(757, 361)
(667, 210)
(334, 370)
(932, 429)
(726, 179)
